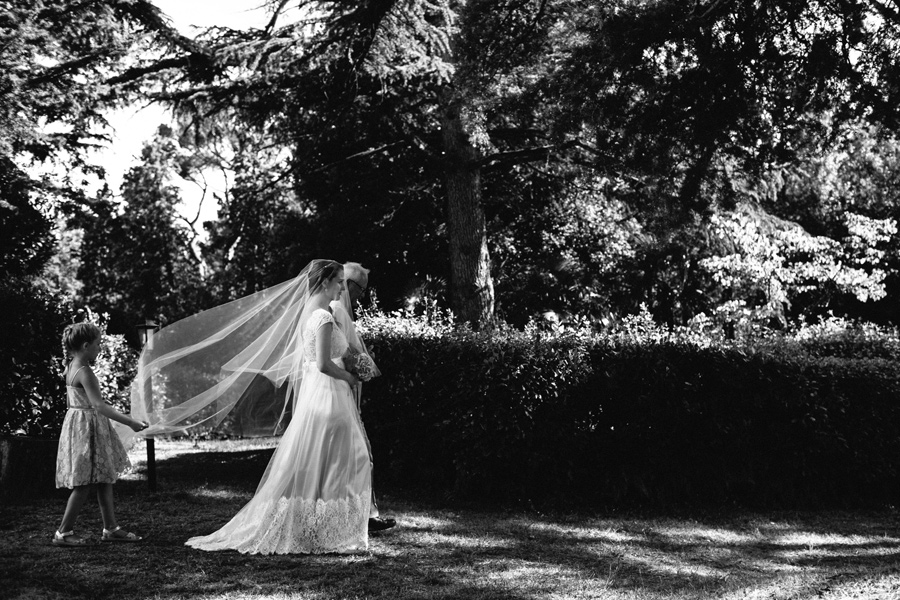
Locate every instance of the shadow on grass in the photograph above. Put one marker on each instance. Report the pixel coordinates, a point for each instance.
(445, 550)
(240, 470)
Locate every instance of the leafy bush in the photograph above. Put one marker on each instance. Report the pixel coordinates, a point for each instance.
(840, 337)
(32, 392)
(115, 367)
(32, 361)
(641, 414)
(771, 264)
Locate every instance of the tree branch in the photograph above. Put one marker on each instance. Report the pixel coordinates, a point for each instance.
(520, 156)
(148, 14)
(136, 73)
(270, 26)
(715, 4)
(368, 152)
(889, 13)
(540, 152)
(57, 71)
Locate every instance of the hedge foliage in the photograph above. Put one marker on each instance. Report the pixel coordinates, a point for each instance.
(636, 416)
(632, 418)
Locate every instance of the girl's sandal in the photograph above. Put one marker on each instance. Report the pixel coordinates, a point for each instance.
(67, 538)
(119, 535)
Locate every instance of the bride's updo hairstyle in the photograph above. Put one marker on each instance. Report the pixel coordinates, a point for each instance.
(321, 272)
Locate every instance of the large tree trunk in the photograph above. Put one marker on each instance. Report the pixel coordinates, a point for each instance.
(471, 286)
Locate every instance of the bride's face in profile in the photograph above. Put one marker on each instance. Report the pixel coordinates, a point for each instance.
(335, 286)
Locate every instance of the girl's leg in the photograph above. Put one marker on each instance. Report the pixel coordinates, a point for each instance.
(107, 508)
(111, 531)
(73, 506)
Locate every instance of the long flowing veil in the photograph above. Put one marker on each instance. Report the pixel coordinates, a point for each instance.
(235, 366)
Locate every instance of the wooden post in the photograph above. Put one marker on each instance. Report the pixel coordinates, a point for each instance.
(151, 448)
(146, 329)
(151, 463)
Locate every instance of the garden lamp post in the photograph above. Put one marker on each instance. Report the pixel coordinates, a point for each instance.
(146, 330)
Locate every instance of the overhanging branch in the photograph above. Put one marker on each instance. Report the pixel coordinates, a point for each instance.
(532, 154)
(368, 152)
(514, 157)
(71, 66)
(136, 73)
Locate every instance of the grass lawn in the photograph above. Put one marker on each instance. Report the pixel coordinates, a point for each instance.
(441, 549)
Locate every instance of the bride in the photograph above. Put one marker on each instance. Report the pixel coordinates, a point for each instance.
(314, 495)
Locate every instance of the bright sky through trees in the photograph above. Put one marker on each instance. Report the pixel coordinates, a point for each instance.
(135, 126)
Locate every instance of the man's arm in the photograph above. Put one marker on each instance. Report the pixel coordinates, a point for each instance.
(342, 317)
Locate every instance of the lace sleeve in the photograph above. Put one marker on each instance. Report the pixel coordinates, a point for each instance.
(320, 318)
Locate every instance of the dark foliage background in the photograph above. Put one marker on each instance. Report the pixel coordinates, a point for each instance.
(31, 387)
(31, 317)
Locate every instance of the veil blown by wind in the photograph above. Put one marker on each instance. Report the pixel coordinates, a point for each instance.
(234, 367)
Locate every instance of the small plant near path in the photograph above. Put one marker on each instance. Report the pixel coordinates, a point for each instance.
(441, 549)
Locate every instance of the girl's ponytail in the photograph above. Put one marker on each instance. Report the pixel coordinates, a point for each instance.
(77, 334)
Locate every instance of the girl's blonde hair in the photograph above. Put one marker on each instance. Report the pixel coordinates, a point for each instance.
(77, 334)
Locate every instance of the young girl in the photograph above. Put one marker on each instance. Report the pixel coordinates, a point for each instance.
(90, 453)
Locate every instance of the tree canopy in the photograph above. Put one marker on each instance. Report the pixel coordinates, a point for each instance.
(510, 158)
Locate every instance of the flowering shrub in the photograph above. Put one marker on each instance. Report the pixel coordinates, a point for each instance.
(769, 266)
(424, 318)
(836, 336)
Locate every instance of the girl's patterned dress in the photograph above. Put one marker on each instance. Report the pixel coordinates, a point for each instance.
(89, 451)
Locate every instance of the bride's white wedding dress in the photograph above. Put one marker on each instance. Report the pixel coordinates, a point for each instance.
(314, 496)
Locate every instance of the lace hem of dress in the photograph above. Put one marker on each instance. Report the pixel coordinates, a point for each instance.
(295, 525)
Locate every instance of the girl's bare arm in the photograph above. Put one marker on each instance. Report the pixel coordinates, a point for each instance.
(92, 388)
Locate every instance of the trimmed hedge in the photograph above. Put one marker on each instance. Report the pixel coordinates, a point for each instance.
(574, 419)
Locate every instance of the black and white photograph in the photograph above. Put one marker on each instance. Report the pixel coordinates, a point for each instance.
(449, 300)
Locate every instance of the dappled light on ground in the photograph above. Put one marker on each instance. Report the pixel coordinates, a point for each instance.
(219, 494)
(439, 551)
